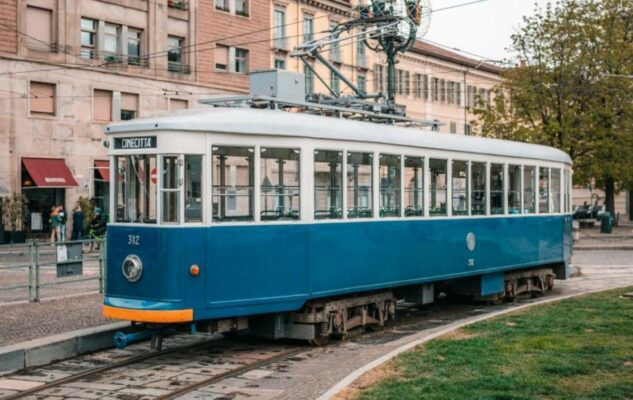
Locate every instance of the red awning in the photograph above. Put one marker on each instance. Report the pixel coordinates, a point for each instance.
(49, 172)
(103, 169)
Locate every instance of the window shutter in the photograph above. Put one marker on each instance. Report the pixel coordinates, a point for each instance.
(42, 97)
(177, 104)
(102, 105)
(39, 28)
(129, 101)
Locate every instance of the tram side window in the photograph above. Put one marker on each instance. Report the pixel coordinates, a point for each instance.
(389, 173)
(280, 198)
(496, 189)
(478, 188)
(328, 184)
(233, 180)
(460, 187)
(555, 206)
(437, 205)
(170, 189)
(413, 186)
(193, 188)
(359, 185)
(544, 197)
(136, 189)
(529, 195)
(566, 191)
(514, 189)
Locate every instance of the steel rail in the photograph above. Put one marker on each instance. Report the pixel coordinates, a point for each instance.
(232, 373)
(114, 365)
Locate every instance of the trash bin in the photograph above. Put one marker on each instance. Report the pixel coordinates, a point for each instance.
(606, 223)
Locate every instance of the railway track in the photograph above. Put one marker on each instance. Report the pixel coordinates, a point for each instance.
(223, 350)
(234, 357)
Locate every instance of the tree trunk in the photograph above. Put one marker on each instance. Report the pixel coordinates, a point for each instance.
(609, 195)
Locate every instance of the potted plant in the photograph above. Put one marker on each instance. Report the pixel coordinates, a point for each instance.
(15, 210)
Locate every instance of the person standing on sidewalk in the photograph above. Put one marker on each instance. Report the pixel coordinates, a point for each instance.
(78, 223)
(63, 217)
(55, 223)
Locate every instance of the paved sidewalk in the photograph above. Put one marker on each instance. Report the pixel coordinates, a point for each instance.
(591, 239)
(20, 322)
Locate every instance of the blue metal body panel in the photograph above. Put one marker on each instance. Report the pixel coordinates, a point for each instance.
(252, 269)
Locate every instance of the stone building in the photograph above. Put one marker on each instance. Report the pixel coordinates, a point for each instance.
(70, 67)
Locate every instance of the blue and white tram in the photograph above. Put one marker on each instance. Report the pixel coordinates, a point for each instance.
(304, 226)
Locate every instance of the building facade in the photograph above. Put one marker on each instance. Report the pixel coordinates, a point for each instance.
(70, 67)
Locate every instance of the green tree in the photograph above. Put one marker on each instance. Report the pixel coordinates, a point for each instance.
(572, 89)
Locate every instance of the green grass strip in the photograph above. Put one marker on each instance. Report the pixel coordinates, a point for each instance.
(576, 349)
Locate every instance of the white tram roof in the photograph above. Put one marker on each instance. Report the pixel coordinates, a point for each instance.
(249, 121)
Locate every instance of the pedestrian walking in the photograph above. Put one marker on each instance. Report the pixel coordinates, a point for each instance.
(55, 224)
(78, 223)
(63, 217)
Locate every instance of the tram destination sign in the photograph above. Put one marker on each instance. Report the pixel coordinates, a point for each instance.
(135, 143)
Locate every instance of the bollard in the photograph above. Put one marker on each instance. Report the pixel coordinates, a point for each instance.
(37, 272)
(31, 268)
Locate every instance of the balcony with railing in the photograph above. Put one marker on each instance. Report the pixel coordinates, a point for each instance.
(178, 4)
(178, 67)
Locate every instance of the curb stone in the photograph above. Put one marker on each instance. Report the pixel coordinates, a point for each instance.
(45, 350)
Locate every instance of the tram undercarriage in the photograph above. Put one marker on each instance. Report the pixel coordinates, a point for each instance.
(321, 319)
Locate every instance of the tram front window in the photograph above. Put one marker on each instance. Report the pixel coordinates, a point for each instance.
(135, 190)
(438, 188)
(460, 188)
(359, 185)
(170, 189)
(280, 197)
(193, 188)
(328, 184)
(233, 183)
(413, 186)
(389, 172)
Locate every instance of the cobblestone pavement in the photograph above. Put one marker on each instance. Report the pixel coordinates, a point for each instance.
(26, 321)
(306, 376)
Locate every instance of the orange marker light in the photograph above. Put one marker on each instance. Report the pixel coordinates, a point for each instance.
(194, 270)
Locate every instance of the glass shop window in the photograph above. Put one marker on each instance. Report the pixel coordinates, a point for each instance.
(359, 185)
(170, 189)
(437, 205)
(328, 184)
(389, 173)
(280, 186)
(460, 187)
(555, 204)
(496, 189)
(514, 189)
(233, 181)
(529, 195)
(413, 186)
(193, 188)
(543, 192)
(135, 189)
(478, 188)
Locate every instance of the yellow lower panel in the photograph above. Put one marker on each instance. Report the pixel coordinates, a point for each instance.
(129, 314)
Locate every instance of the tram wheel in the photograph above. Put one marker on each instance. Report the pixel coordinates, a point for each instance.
(320, 341)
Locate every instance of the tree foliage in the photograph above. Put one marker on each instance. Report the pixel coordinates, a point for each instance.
(572, 89)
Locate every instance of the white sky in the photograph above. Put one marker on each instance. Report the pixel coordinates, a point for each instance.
(482, 28)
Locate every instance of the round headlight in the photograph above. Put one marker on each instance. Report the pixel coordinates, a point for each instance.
(132, 268)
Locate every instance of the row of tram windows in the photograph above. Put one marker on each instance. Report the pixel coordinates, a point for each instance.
(476, 188)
